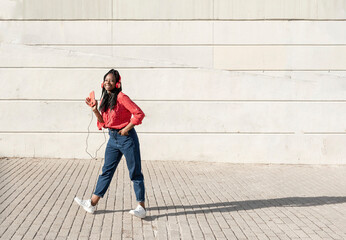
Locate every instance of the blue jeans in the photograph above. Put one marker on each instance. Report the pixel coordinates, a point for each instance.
(118, 146)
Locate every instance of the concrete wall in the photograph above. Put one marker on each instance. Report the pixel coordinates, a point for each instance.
(240, 81)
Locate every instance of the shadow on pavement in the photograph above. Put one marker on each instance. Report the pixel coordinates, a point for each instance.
(246, 205)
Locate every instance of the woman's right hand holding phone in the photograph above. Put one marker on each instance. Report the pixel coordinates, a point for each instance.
(88, 102)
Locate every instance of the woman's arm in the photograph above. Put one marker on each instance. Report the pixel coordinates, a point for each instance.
(137, 113)
(94, 108)
(98, 115)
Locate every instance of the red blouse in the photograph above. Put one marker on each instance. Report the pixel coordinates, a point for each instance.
(120, 115)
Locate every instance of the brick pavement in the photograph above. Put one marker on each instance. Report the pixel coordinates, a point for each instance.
(185, 200)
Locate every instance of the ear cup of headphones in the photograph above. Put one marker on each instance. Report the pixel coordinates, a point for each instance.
(118, 83)
(101, 85)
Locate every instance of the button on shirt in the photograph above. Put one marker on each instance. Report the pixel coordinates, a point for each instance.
(120, 115)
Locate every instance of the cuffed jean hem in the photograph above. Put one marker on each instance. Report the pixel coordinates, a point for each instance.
(98, 195)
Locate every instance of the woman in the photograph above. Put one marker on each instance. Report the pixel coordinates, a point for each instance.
(116, 110)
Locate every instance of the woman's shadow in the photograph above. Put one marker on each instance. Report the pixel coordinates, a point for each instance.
(237, 205)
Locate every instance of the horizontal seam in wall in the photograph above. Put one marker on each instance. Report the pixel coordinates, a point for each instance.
(194, 68)
(177, 20)
(306, 133)
(106, 67)
(181, 133)
(181, 45)
(175, 100)
(173, 133)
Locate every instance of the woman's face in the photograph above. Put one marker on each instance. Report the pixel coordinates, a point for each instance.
(109, 82)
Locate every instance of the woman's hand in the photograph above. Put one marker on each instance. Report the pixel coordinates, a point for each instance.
(123, 132)
(88, 101)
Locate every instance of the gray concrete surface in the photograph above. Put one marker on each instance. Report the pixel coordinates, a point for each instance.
(185, 200)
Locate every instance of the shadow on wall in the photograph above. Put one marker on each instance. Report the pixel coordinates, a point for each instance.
(240, 205)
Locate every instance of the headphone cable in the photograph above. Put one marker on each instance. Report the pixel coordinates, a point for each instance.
(86, 149)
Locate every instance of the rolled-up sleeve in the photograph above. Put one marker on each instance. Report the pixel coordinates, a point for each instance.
(137, 113)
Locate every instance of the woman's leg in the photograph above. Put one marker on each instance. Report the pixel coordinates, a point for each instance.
(95, 199)
(133, 159)
(112, 159)
(142, 204)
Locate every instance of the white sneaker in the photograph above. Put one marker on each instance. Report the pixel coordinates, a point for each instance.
(86, 204)
(138, 212)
